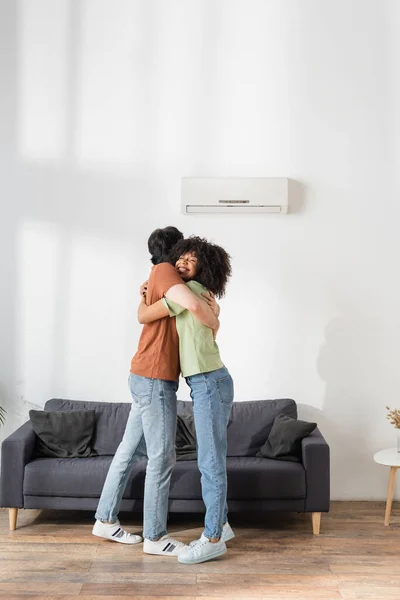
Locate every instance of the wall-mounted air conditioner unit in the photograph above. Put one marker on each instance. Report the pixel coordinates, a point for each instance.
(234, 195)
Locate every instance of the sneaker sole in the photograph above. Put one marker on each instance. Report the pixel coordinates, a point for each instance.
(161, 553)
(203, 558)
(117, 541)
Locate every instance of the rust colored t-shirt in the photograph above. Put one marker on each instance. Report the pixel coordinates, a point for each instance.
(157, 355)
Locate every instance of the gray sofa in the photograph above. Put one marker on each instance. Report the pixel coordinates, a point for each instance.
(253, 483)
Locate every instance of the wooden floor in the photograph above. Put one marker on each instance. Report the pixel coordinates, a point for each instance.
(52, 555)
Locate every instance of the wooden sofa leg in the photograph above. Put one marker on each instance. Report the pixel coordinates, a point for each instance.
(316, 522)
(13, 514)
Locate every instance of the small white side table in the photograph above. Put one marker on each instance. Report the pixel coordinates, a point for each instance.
(391, 458)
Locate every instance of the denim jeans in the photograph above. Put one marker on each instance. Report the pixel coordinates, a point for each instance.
(212, 395)
(151, 427)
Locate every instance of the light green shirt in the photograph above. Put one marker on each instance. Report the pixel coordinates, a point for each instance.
(198, 351)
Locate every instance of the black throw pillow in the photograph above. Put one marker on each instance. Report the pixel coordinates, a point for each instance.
(284, 440)
(63, 434)
(185, 444)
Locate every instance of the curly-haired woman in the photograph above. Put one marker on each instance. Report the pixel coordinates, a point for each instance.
(206, 268)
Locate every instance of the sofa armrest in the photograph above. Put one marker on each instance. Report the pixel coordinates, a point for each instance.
(315, 457)
(16, 452)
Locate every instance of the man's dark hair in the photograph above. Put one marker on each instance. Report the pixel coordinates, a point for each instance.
(161, 242)
(213, 262)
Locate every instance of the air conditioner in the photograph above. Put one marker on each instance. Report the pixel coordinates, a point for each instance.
(234, 195)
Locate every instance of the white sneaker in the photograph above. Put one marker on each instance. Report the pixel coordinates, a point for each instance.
(227, 534)
(165, 546)
(201, 551)
(115, 533)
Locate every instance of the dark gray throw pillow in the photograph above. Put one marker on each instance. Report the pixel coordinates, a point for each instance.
(63, 434)
(284, 440)
(185, 444)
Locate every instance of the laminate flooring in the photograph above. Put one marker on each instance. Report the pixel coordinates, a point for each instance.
(53, 556)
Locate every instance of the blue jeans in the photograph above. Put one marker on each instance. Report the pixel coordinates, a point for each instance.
(212, 395)
(151, 425)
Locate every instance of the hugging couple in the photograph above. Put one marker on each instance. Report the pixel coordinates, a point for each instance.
(180, 317)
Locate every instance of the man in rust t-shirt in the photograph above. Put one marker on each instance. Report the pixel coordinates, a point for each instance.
(157, 356)
(153, 384)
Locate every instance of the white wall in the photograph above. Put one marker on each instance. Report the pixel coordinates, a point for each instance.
(105, 105)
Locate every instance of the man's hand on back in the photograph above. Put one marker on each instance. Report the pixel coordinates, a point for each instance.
(212, 303)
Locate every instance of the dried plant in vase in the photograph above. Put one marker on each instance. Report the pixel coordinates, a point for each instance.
(393, 416)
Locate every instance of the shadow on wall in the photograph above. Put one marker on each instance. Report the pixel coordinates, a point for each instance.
(350, 364)
(52, 209)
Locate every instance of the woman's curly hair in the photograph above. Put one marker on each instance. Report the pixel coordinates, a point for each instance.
(213, 262)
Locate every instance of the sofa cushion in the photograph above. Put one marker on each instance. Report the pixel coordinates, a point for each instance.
(111, 418)
(250, 423)
(77, 477)
(248, 478)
